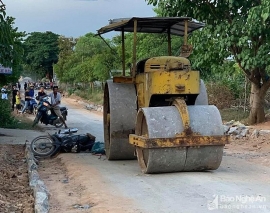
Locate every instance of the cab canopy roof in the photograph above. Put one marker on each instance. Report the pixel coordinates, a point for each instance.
(174, 25)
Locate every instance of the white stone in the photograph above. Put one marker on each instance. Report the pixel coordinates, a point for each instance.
(255, 133)
(264, 131)
(244, 132)
(233, 131)
(226, 128)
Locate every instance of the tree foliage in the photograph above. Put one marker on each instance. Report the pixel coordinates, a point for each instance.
(66, 48)
(148, 45)
(85, 59)
(90, 59)
(41, 52)
(236, 29)
(10, 47)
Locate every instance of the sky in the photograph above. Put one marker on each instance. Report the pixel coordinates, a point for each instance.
(72, 18)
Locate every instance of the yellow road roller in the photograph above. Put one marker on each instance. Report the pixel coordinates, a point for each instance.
(159, 113)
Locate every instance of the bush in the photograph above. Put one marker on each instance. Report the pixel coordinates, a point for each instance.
(220, 95)
(70, 91)
(6, 119)
(94, 95)
(9, 121)
(236, 114)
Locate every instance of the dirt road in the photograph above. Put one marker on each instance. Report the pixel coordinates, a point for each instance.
(87, 183)
(80, 118)
(15, 193)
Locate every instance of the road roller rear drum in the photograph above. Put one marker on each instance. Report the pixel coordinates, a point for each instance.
(119, 115)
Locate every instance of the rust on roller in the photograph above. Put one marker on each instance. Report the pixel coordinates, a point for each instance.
(183, 141)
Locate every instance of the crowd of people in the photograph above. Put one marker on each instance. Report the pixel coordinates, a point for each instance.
(16, 95)
(38, 85)
(29, 94)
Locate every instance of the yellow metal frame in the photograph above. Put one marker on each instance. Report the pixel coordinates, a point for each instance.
(183, 141)
(180, 104)
(123, 79)
(166, 83)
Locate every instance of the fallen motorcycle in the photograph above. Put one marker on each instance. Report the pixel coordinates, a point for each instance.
(63, 141)
(46, 115)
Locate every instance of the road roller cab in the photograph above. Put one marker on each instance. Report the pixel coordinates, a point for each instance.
(160, 112)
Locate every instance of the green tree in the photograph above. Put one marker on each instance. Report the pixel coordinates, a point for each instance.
(89, 45)
(148, 45)
(86, 60)
(41, 52)
(66, 49)
(239, 29)
(97, 58)
(70, 73)
(11, 47)
(103, 63)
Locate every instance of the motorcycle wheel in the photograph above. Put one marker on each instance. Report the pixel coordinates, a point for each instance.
(35, 110)
(42, 146)
(36, 120)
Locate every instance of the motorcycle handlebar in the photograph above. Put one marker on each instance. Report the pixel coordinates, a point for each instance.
(42, 97)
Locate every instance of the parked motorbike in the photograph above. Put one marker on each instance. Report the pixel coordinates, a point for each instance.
(63, 141)
(46, 115)
(32, 107)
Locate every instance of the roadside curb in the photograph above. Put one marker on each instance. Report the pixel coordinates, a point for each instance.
(41, 194)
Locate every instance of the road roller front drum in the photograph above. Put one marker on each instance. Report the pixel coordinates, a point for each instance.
(168, 148)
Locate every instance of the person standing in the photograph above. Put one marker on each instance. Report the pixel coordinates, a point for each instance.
(4, 92)
(19, 86)
(18, 101)
(55, 104)
(31, 94)
(14, 93)
(27, 99)
(25, 86)
(31, 91)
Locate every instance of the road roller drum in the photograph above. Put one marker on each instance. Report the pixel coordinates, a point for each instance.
(119, 116)
(202, 98)
(171, 147)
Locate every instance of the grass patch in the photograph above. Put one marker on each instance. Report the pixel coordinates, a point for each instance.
(95, 96)
(21, 122)
(236, 114)
(11, 120)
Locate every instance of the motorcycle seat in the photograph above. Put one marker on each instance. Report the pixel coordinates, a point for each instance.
(63, 108)
(68, 131)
